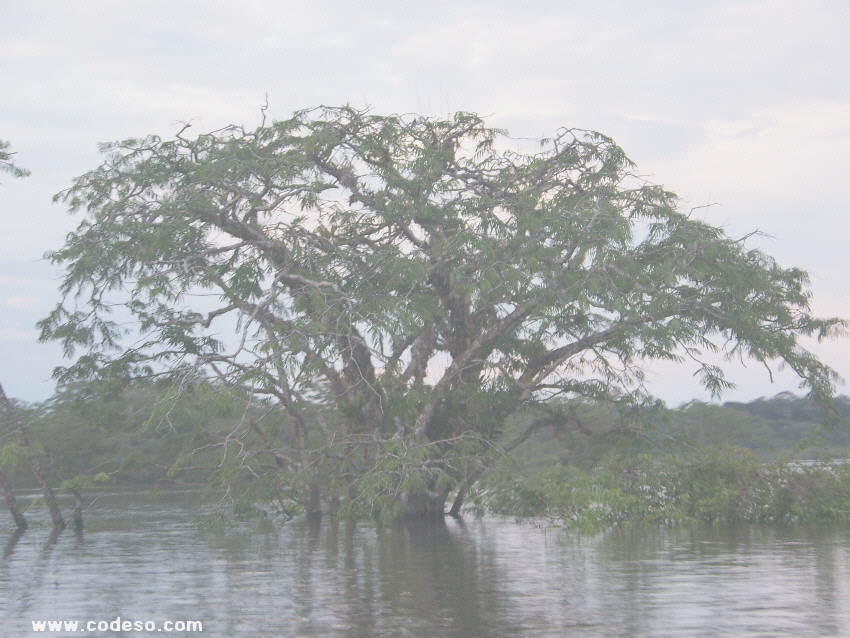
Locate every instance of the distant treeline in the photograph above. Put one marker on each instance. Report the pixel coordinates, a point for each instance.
(782, 427)
(768, 427)
(150, 431)
(145, 432)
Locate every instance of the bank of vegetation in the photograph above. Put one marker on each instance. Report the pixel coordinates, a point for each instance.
(706, 485)
(768, 460)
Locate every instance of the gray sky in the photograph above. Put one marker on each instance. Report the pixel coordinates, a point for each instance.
(745, 105)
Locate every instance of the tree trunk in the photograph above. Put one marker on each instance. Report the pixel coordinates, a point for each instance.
(77, 516)
(426, 504)
(35, 465)
(20, 521)
(314, 500)
(458, 502)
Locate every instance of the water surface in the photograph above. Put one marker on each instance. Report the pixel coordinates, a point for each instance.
(145, 558)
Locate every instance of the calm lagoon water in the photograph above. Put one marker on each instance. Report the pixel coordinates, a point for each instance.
(144, 558)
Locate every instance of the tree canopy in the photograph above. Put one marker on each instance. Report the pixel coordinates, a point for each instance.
(400, 286)
(7, 164)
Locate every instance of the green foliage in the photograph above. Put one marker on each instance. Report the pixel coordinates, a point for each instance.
(85, 482)
(11, 454)
(768, 428)
(6, 163)
(708, 485)
(130, 433)
(355, 280)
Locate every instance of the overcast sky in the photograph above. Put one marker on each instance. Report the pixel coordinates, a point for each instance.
(745, 105)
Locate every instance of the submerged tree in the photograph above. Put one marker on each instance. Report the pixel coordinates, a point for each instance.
(398, 287)
(8, 166)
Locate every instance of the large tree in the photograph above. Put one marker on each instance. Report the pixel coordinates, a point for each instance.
(397, 287)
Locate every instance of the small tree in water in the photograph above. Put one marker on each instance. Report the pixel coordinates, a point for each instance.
(7, 165)
(399, 287)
